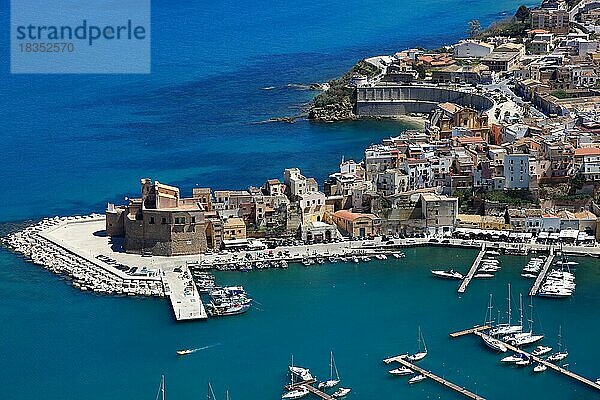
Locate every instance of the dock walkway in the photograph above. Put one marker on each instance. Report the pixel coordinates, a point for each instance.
(477, 328)
(308, 385)
(463, 286)
(185, 299)
(550, 365)
(542, 275)
(402, 360)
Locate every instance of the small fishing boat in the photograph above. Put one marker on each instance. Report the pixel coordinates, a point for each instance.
(416, 379)
(355, 260)
(184, 352)
(341, 392)
(320, 260)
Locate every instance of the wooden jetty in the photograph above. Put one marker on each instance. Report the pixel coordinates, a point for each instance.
(476, 328)
(550, 365)
(467, 279)
(402, 360)
(308, 385)
(542, 275)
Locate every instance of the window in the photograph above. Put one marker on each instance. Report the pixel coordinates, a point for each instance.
(193, 220)
(152, 220)
(163, 221)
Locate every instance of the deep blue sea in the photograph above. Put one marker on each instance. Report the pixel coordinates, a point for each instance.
(70, 143)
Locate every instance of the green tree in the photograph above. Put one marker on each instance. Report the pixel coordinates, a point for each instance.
(474, 28)
(523, 13)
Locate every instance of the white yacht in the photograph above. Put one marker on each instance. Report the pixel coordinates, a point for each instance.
(560, 354)
(295, 393)
(341, 392)
(540, 368)
(513, 358)
(333, 379)
(402, 371)
(417, 378)
(494, 343)
(541, 350)
(449, 274)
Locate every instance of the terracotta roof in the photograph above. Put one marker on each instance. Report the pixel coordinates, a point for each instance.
(350, 216)
(587, 151)
(450, 107)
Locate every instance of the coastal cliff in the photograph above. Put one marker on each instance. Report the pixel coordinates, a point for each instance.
(336, 102)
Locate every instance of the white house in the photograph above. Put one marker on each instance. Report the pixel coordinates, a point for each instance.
(472, 49)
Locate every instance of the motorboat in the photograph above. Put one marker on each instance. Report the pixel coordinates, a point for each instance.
(559, 356)
(541, 350)
(492, 253)
(320, 260)
(421, 353)
(540, 368)
(402, 371)
(307, 262)
(483, 276)
(184, 352)
(365, 259)
(295, 393)
(341, 392)
(526, 360)
(355, 260)
(513, 358)
(333, 260)
(399, 255)
(381, 256)
(416, 379)
(302, 373)
(529, 276)
(448, 274)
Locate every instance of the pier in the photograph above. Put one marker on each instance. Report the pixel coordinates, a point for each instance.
(402, 360)
(554, 367)
(183, 294)
(477, 328)
(463, 286)
(308, 385)
(542, 275)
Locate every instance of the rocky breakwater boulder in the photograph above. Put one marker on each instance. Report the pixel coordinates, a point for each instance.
(341, 111)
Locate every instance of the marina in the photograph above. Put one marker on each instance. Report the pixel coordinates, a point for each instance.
(401, 359)
(550, 365)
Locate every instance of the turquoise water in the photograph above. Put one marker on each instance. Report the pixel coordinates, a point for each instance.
(70, 143)
(79, 345)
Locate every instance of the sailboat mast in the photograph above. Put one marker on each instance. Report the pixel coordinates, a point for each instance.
(531, 314)
(509, 320)
(163, 387)
(521, 310)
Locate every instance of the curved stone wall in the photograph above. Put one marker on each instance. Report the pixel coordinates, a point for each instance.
(399, 100)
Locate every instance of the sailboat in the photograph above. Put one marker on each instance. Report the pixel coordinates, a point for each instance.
(210, 393)
(560, 354)
(420, 354)
(524, 338)
(161, 389)
(298, 391)
(488, 339)
(331, 382)
(507, 328)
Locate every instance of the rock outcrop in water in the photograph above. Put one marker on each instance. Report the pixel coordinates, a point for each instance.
(336, 102)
